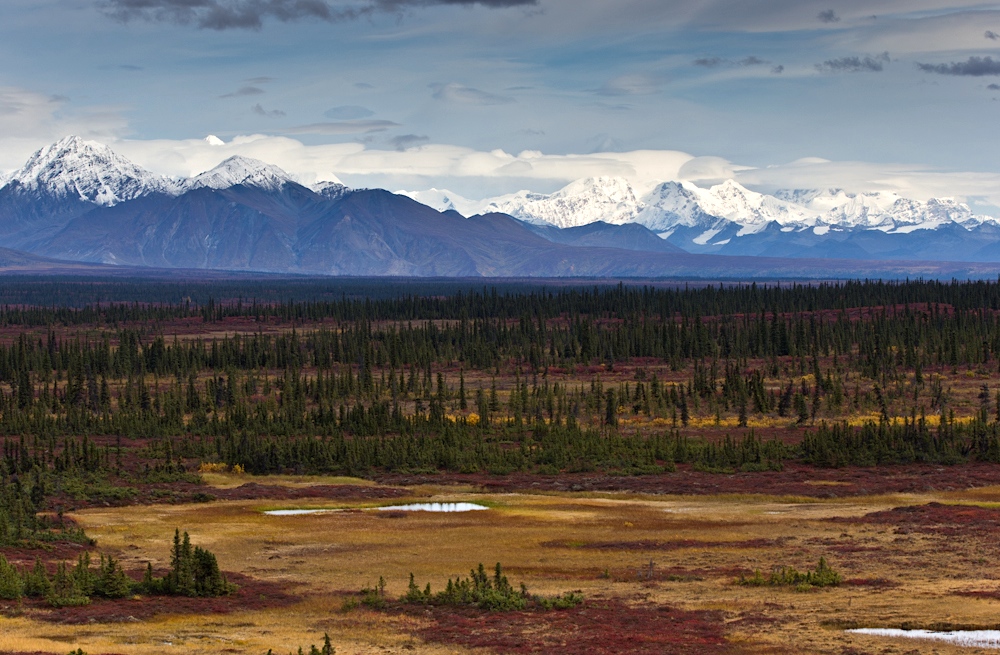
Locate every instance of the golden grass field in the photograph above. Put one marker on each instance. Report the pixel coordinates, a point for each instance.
(601, 544)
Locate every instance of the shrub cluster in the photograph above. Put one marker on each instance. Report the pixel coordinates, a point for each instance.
(787, 576)
(488, 593)
(69, 586)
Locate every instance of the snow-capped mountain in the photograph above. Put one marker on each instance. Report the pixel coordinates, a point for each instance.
(74, 169)
(77, 200)
(608, 199)
(330, 190)
(238, 170)
(718, 210)
(729, 209)
(881, 210)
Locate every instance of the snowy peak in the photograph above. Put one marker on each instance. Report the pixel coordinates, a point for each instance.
(330, 190)
(674, 204)
(73, 168)
(239, 170)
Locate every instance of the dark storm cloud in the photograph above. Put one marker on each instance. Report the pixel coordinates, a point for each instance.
(251, 14)
(244, 91)
(405, 141)
(975, 67)
(828, 16)
(866, 64)
(991, 35)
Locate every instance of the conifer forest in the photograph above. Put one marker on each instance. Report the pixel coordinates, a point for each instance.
(640, 450)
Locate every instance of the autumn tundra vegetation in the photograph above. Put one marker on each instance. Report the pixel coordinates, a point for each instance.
(664, 465)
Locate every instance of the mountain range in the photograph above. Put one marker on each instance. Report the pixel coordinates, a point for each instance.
(730, 219)
(78, 201)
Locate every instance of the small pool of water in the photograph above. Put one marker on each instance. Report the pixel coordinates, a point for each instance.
(434, 507)
(298, 512)
(977, 638)
(412, 507)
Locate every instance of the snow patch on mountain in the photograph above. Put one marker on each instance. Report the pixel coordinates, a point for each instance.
(73, 168)
(330, 189)
(443, 200)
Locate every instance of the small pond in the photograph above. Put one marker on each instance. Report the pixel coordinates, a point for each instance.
(298, 512)
(412, 507)
(977, 638)
(434, 507)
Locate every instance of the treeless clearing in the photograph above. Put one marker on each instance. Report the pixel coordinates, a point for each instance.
(642, 562)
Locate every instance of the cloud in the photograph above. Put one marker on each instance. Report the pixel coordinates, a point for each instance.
(867, 64)
(707, 62)
(251, 14)
(429, 165)
(632, 85)
(459, 93)
(348, 112)
(244, 91)
(30, 119)
(991, 35)
(707, 170)
(602, 143)
(828, 16)
(713, 62)
(975, 66)
(259, 80)
(260, 111)
(407, 141)
(994, 87)
(363, 85)
(909, 181)
(778, 70)
(478, 173)
(343, 127)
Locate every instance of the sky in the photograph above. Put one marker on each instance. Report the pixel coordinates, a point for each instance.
(490, 96)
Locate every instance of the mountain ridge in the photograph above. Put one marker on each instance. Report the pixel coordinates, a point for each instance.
(79, 201)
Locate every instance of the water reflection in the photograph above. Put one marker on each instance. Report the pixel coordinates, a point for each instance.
(977, 638)
(434, 507)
